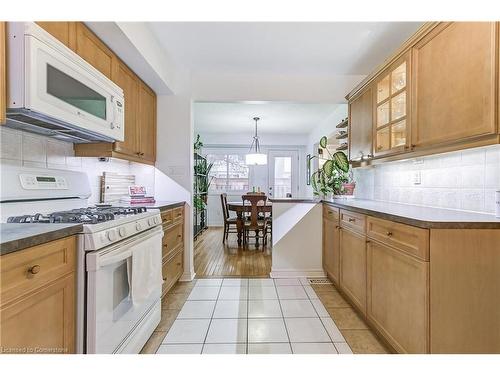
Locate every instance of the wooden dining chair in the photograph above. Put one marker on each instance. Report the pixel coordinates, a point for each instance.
(228, 221)
(255, 224)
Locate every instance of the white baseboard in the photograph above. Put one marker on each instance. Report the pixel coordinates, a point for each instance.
(187, 276)
(284, 273)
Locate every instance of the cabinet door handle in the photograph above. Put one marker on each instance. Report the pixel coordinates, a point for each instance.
(34, 269)
(179, 235)
(368, 241)
(351, 220)
(389, 234)
(337, 227)
(178, 263)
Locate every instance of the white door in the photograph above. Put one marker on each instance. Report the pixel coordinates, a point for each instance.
(283, 173)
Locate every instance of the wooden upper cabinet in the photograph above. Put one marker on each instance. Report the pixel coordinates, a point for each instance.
(129, 83)
(3, 75)
(360, 126)
(65, 32)
(93, 50)
(391, 108)
(454, 83)
(146, 123)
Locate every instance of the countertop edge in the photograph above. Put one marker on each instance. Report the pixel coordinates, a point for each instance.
(39, 239)
(416, 222)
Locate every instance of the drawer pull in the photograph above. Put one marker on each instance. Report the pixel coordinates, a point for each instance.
(337, 227)
(351, 220)
(330, 212)
(389, 234)
(165, 278)
(34, 270)
(179, 235)
(178, 264)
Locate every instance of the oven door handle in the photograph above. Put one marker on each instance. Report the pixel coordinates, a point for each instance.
(112, 259)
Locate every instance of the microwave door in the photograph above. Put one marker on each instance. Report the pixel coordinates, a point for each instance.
(58, 86)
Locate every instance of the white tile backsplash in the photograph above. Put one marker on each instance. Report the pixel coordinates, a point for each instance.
(32, 150)
(464, 180)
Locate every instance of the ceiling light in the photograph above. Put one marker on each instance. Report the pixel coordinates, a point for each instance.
(254, 156)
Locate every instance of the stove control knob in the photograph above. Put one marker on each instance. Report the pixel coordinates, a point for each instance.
(150, 222)
(138, 226)
(122, 232)
(111, 235)
(157, 221)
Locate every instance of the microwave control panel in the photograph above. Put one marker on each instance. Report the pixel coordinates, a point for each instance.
(34, 182)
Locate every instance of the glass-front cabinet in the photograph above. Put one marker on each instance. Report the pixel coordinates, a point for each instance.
(391, 123)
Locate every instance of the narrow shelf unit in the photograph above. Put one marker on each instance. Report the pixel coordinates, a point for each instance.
(199, 214)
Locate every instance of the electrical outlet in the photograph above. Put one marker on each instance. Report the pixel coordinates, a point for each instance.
(417, 178)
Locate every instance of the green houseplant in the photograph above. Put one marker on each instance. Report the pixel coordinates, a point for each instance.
(334, 176)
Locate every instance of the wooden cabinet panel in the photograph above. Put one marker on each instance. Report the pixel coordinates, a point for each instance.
(129, 83)
(93, 50)
(42, 321)
(146, 123)
(353, 221)
(34, 267)
(454, 73)
(3, 74)
(392, 108)
(173, 237)
(464, 291)
(353, 267)
(398, 297)
(172, 271)
(65, 32)
(413, 240)
(331, 248)
(361, 126)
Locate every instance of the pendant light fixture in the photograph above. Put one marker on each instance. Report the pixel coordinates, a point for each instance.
(255, 156)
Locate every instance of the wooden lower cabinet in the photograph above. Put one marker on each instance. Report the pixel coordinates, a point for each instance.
(398, 297)
(172, 246)
(331, 245)
(353, 267)
(38, 305)
(465, 291)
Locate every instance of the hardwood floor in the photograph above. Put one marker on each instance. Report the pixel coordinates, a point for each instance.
(212, 258)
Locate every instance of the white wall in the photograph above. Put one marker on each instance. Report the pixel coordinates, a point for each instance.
(464, 180)
(31, 150)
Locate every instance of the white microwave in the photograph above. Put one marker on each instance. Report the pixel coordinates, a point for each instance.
(54, 92)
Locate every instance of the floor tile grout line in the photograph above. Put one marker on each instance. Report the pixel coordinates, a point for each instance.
(211, 318)
(284, 322)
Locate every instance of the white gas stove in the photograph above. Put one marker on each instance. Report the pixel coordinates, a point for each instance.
(119, 255)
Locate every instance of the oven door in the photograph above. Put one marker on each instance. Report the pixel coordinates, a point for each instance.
(114, 318)
(61, 85)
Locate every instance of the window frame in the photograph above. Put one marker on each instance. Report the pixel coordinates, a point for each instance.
(226, 152)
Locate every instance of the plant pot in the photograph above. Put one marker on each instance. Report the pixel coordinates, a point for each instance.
(349, 188)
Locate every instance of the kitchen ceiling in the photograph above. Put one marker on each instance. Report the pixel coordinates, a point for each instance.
(276, 118)
(328, 48)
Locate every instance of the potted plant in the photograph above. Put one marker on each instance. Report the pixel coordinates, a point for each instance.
(334, 177)
(198, 144)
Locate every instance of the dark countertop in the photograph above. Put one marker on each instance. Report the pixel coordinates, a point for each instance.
(418, 216)
(14, 236)
(162, 205)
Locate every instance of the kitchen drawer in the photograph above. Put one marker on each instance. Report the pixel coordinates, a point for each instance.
(172, 238)
(172, 271)
(412, 240)
(353, 221)
(167, 217)
(29, 269)
(178, 214)
(331, 213)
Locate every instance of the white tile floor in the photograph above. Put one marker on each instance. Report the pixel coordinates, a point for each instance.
(254, 316)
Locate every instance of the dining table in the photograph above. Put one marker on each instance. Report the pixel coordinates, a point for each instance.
(240, 208)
